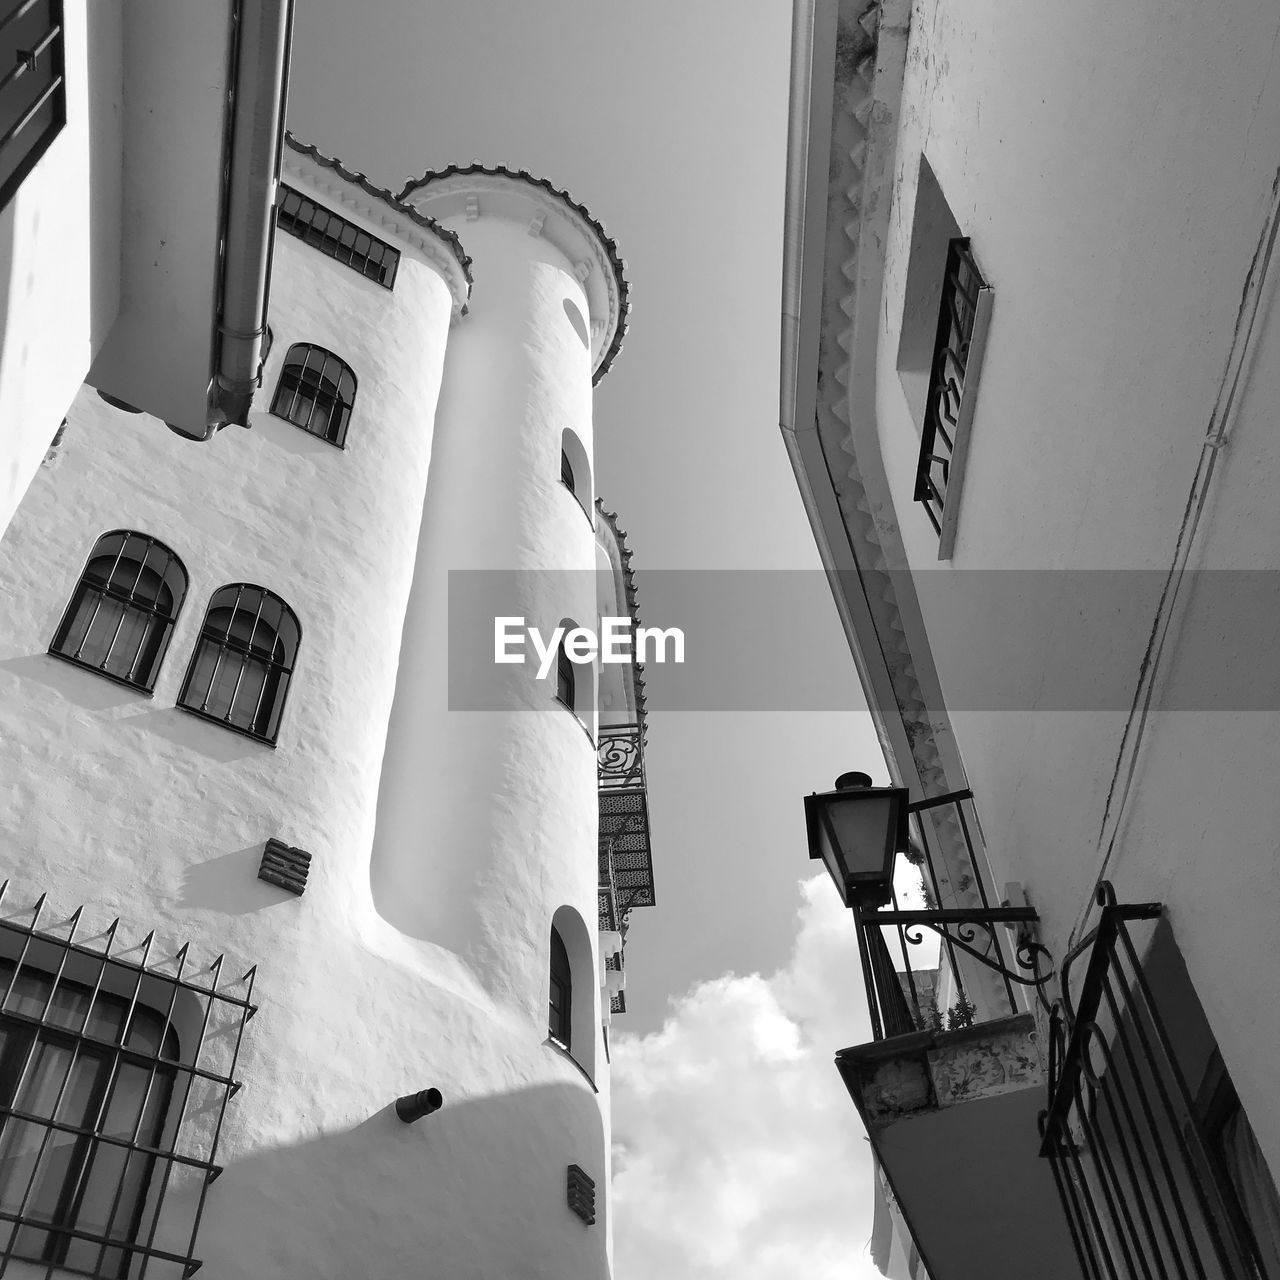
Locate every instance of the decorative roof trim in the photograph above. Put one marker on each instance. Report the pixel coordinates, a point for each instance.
(841, 158)
(440, 234)
(610, 520)
(607, 242)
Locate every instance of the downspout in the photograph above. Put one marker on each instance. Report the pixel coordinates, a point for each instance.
(258, 90)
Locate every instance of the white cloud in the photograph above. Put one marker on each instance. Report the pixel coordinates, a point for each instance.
(738, 1154)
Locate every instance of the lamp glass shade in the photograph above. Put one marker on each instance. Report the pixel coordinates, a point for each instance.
(857, 832)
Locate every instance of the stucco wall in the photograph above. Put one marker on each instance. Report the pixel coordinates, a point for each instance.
(1115, 187)
(131, 805)
(59, 253)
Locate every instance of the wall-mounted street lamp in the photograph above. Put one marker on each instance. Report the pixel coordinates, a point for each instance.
(857, 830)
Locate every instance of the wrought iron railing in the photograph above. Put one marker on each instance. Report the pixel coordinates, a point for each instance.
(106, 1052)
(624, 816)
(984, 950)
(625, 855)
(962, 321)
(1144, 1196)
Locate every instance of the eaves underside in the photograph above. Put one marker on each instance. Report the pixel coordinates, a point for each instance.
(868, 68)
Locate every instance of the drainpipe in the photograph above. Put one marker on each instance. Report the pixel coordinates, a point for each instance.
(257, 94)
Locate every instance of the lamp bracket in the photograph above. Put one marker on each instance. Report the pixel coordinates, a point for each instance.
(960, 927)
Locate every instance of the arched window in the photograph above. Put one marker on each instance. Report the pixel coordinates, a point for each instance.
(315, 392)
(575, 468)
(122, 612)
(239, 673)
(100, 1065)
(560, 1003)
(566, 680)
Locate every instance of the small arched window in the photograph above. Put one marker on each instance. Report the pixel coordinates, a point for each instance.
(560, 1002)
(575, 468)
(315, 392)
(240, 671)
(122, 612)
(566, 679)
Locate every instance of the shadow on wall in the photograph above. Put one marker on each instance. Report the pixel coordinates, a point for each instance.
(229, 883)
(80, 687)
(475, 1190)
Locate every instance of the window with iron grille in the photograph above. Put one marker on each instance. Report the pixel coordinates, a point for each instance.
(566, 679)
(315, 392)
(101, 1059)
(33, 95)
(335, 237)
(122, 611)
(560, 1009)
(963, 317)
(240, 671)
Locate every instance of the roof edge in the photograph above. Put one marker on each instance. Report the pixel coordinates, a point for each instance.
(607, 242)
(451, 240)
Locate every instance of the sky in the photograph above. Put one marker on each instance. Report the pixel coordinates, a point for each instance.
(738, 1153)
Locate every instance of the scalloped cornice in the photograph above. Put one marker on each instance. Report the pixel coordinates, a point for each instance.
(379, 206)
(609, 521)
(605, 249)
(859, 169)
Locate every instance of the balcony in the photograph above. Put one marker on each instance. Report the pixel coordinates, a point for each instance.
(951, 1087)
(1159, 1170)
(625, 855)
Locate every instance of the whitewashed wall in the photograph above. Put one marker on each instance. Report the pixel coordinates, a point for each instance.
(131, 805)
(59, 291)
(1116, 188)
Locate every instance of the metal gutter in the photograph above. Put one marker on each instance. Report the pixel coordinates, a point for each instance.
(257, 92)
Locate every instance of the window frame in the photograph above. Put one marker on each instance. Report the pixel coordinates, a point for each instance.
(336, 237)
(282, 670)
(560, 982)
(960, 342)
(566, 680)
(60, 1225)
(159, 626)
(295, 372)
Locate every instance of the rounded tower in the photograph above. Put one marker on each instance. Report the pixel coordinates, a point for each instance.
(332, 888)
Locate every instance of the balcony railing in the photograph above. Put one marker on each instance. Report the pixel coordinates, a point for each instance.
(963, 317)
(945, 953)
(1145, 1194)
(625, 855)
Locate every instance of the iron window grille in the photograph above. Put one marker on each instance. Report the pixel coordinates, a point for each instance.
(33, 94)
(1137, 1162)
(566, 679)
(337, 238)
(560, 1001)
(121, 615)
(316, 392)
(243, 662)
(104, 1052)
(566, 472)
(963, 318)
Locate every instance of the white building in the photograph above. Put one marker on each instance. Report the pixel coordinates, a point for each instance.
(1030, 363)
(273, 889)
